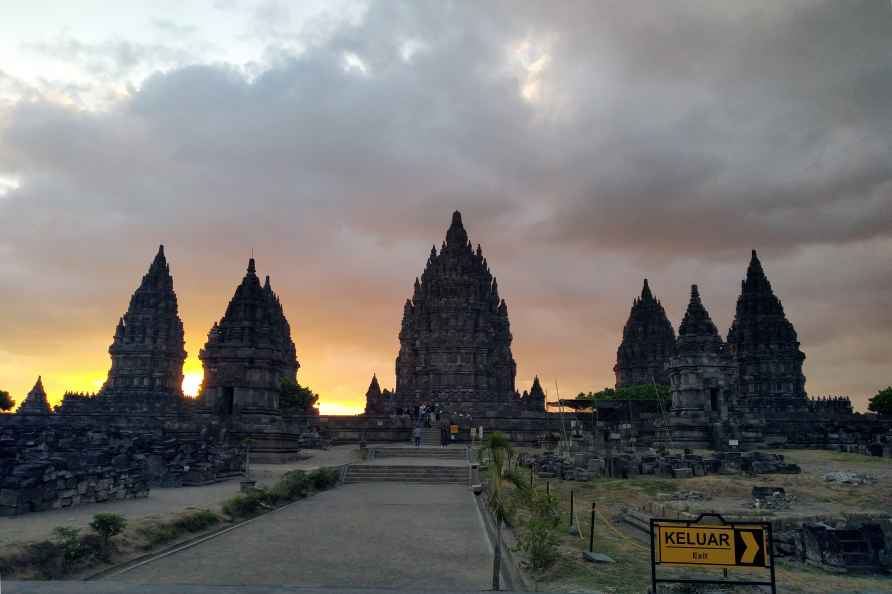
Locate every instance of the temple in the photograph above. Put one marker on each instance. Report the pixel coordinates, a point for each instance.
(455, 340)
(248, 358)
(648, 343)
(147, 352)
(702, 376)
(249, 352)
(765, 345)
(35, 402)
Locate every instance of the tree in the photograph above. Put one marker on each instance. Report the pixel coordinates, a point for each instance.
(107, 526)
(636, 392)
(297, 398)
(499, 453)
(882, 402)
(6, 401)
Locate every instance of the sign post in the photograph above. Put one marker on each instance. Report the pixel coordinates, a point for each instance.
(725, 545)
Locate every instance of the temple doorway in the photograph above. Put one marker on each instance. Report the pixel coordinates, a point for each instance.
(226, 400)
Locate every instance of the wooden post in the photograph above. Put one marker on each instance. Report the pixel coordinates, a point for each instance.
(591, 536)
(571, 507)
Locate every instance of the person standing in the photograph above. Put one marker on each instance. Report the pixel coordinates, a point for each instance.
(444, 435)
(417, 435)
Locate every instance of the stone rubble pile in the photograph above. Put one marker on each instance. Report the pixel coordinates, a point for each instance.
(584, 466)
(850, 478)
(771, 498)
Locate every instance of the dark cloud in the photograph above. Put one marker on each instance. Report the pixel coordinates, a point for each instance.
(663, 141)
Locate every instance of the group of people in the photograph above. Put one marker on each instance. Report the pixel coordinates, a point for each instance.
(427, 415)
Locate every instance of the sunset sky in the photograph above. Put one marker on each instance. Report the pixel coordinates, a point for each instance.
(588, 145)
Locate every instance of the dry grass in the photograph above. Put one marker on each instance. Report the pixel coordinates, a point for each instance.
(631, 572)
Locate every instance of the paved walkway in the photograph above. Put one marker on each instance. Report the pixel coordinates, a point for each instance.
(162, 502)
(377, 535)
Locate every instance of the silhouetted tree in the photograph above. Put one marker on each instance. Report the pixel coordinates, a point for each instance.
(6, 401)
(882, 402)
(294, 397)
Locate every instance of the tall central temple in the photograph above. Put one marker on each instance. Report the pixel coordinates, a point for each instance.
(455, 339)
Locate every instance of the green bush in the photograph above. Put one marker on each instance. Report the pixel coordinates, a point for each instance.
(160, 533)
(108, 526)
(293, 485)
(538, 537)
(157, 534)
(245, 506)
(196, 521)
(47, 557)
(324, 478)
(74, 547)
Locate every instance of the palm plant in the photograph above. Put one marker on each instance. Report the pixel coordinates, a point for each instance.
(497, 449)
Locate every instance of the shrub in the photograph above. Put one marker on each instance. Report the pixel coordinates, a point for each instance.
(162, 532)
(293, 485)
(245, 506)
(538, 538)
(324, 478)
(196, 521)
(74, 547)
(539, 541)
(47, 557)
(108, 526)
(157, 534)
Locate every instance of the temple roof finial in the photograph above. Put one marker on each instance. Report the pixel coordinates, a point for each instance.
(646, 295)
(252, 269)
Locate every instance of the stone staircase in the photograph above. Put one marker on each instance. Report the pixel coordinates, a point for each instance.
(435, 475)
(435, 453)
(430, 436)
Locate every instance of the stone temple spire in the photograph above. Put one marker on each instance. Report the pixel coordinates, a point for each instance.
(648, 343)
(249, 352)
(148, 350)
(455, 340)
(702, 373)
(35, 402)
(697, 332)
(764, 342)
(535, 399)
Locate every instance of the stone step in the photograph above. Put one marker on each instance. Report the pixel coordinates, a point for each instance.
(413, 452)
(638, 520)
(421, 481)
(409, 469)
(411, 474)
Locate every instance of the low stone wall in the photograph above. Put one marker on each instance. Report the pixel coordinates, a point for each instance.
(43, 469)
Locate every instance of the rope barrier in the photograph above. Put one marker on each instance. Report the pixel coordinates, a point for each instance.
(610, 526)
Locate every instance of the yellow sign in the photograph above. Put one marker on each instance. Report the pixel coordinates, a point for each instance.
(729, 546)
(453, 428)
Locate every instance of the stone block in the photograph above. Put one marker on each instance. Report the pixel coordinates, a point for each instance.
(9, 497)
(682, 472)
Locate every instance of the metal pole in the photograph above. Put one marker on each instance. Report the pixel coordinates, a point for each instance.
(531, 476)
(547, 488)
(591, 536)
